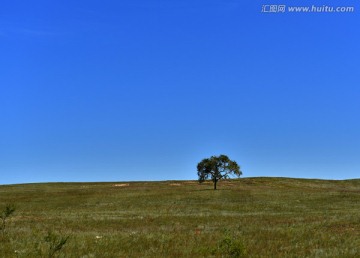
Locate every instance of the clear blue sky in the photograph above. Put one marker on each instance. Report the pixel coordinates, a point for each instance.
(144, 89)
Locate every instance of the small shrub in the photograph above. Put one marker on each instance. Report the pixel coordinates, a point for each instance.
(5, 214)
(229, 246)
(55, 243)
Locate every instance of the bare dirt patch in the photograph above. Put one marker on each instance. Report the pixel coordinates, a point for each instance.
(120, 185)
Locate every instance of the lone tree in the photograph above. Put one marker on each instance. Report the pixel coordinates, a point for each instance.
(216, 168)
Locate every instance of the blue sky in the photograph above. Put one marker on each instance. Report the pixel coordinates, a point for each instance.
(143, 90)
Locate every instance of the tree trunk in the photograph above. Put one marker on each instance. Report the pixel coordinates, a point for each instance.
(215, 181)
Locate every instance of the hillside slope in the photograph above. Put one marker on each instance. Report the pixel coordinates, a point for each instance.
(253, 217)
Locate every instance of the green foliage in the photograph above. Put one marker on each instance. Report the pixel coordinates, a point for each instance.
(217, 168)
(5, 214)
(230, 246)
(55, 243)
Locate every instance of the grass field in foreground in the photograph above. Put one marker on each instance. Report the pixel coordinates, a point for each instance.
(253, 217)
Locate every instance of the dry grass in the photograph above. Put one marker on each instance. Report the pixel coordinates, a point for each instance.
(269, 217)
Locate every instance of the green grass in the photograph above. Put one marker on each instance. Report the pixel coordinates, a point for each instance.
(269, 217)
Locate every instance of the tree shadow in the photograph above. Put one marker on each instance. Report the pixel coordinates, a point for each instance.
(210, 189)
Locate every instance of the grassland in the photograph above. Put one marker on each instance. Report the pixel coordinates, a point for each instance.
(258, 217)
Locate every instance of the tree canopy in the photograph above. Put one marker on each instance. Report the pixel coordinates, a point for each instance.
(217, 168)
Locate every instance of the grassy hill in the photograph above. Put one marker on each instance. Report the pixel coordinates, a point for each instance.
(255, 217)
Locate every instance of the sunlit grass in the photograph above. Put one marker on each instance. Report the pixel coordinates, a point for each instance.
(269, 217)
